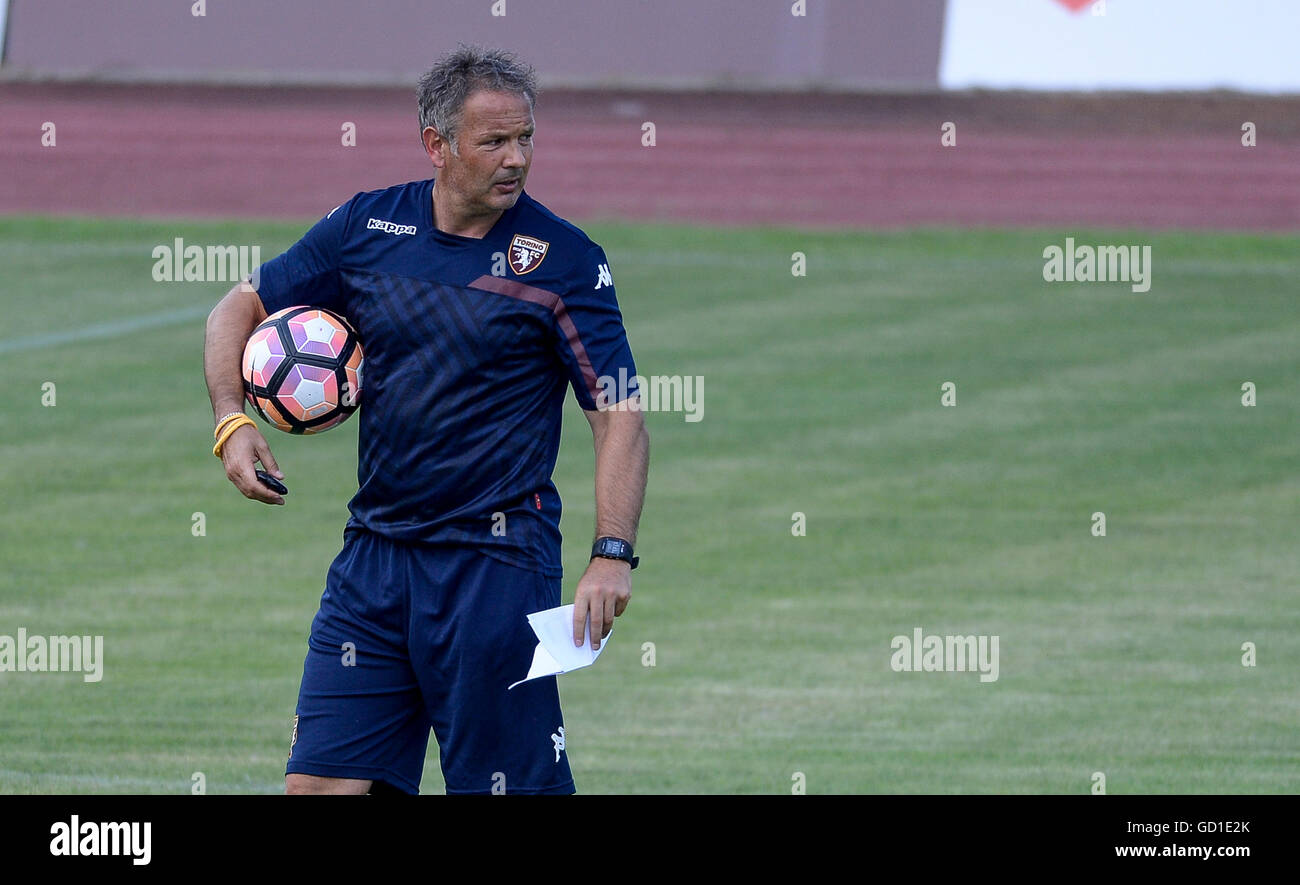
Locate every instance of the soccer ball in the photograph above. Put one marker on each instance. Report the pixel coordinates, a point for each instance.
(302, 370)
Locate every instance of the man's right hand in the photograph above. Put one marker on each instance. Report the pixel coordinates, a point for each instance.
(241, 454)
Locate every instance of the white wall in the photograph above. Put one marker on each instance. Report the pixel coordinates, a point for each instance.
(1249, 45)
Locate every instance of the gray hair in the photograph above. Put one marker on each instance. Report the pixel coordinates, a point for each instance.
(442, 91)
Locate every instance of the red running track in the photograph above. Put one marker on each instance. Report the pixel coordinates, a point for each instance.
(800, 160)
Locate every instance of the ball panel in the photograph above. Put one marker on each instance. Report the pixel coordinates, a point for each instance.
(353, 379)
(281, 314)
(262, 356)
(266, 407)
(308, 392)
(318, 334)
(326, 425)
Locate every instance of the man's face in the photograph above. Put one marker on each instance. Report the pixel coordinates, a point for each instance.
(494, 150)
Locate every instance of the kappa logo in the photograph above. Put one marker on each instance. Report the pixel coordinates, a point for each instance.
(389, 227)
(603, 277)
(558, 739)
(526, 253)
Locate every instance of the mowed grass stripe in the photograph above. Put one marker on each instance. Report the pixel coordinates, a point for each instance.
(104, 330)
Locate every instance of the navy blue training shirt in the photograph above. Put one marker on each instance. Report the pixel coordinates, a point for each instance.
(469, 345)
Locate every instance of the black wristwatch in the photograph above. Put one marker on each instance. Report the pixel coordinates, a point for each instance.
(614, 548)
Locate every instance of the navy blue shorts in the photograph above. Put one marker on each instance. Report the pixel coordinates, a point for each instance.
(412, 637)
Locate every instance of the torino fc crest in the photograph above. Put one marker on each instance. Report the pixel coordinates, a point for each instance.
(526, 253)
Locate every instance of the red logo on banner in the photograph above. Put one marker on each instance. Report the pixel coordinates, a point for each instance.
(1075, 5)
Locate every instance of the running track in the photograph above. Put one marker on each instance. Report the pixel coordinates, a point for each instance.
(803, 160)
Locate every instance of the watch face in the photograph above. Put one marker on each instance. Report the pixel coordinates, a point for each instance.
(612, 547)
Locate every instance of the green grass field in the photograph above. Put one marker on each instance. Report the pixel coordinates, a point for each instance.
(1119, 654)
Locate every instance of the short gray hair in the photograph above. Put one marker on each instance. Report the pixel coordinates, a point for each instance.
(443, 89)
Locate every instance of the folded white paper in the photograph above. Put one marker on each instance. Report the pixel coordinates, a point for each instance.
(555, 652)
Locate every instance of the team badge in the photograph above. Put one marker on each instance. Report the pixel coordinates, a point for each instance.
(526, 253)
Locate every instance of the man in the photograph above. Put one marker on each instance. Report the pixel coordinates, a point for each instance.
(476, 308)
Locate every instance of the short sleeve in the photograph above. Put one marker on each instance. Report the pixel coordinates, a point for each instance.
(591, 341)
(308, 271)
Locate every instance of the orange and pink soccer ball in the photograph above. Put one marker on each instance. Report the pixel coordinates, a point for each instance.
(302, 370)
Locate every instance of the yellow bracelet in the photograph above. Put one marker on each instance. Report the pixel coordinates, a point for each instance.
(228, 416)
(224, 420)
(230, 428)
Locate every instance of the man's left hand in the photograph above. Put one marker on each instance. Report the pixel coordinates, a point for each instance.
(603, 593)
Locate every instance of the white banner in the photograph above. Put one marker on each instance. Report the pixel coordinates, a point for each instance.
(1248, 45)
